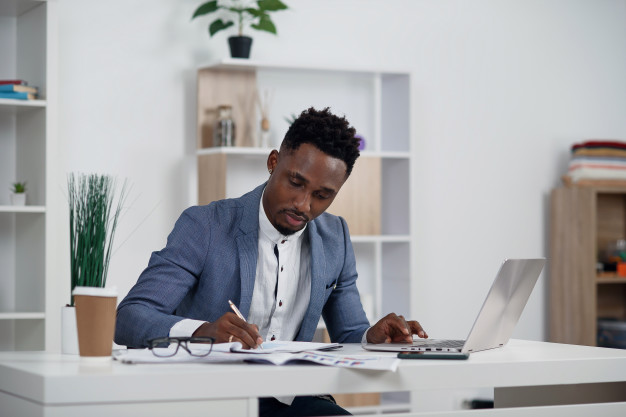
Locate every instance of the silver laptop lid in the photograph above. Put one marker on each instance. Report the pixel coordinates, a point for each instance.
(504, 304)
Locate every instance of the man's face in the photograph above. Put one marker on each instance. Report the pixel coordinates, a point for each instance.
(303, 183)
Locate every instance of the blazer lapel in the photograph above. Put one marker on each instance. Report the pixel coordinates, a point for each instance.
(248, 246)
(318, 269)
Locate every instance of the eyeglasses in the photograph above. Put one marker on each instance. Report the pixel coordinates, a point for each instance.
(161, 347)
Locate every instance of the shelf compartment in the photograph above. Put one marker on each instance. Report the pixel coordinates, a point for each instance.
(22, 334)
(396, 278)
(22, 262)
(611, 301)
(377, 103)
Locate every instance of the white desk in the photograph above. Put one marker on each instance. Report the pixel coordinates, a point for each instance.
(47, 384)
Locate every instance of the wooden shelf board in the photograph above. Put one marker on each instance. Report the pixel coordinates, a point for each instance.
(595, 183)
(610, 278)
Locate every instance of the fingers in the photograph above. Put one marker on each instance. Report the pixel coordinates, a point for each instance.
(230, 328)
(403, 328)
(394, 328)
(237, 330)
(416, 328)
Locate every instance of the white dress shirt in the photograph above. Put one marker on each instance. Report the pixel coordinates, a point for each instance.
(282, 287)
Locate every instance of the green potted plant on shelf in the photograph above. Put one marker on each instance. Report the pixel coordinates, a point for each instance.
(18, 193)
(245, 13)
(93, 222)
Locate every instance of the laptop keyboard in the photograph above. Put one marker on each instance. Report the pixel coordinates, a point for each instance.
(451, 344)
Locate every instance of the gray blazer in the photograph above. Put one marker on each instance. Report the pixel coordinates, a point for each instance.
(211, 257)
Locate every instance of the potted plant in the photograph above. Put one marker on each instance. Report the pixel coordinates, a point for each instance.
(18, 193)
(245, 13)
(93, 221)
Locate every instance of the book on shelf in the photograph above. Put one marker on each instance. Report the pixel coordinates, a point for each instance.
(13, 82)
(15, 88)
(18, 96)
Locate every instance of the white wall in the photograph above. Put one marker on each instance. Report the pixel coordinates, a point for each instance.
(501, 89)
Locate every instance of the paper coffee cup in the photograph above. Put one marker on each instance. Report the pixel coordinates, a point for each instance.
(95, 320)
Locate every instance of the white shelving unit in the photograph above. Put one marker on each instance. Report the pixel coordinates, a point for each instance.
(377, 103)
(27, 139)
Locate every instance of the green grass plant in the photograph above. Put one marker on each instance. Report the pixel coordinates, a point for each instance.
(93, 221)
(18, 187)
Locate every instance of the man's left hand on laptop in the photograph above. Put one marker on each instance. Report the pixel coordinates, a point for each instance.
(394, 328)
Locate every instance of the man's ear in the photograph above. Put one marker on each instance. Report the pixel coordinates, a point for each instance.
(272, 161)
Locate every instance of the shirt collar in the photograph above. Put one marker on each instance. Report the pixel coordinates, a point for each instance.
(268, 229)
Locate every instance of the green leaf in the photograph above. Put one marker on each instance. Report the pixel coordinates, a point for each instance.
(218, 25)
(271, 5)
(93, 222)
(255, 12)
(205, 8)
(266, 24)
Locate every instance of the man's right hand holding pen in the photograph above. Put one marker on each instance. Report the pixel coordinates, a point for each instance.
(230, 328)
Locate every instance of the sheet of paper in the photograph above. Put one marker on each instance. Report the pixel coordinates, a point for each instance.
(375, 362)
(276, 347)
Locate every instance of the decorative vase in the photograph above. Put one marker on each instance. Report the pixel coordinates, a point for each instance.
(240, 46)
(95, 320)
(265, 133)
(224, 129)
(69, 332)
(18, 199)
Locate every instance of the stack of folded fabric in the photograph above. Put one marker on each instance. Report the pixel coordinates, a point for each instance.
(597, 160)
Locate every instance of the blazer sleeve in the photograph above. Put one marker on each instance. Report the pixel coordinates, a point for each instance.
(343, 313)
(148, 311)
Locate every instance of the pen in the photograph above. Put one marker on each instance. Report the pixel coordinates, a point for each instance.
(238, 313)
(236, 310)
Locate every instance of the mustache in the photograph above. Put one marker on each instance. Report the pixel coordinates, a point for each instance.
(297, 214)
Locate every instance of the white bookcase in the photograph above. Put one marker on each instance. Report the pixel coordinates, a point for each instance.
(27, 138)
(376, 198)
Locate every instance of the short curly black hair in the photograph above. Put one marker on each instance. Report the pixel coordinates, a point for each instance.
(330, 134)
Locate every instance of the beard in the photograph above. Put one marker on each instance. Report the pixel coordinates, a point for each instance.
(286, 231)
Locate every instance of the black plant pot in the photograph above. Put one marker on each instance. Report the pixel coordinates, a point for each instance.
(240, 46)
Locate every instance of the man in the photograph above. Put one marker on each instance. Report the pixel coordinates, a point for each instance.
(275, 253)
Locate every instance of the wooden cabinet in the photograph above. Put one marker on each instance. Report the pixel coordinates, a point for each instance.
(375, 201)
(27, 138)
(585, 220)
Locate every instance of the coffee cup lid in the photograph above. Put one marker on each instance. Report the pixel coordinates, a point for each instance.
(96, 291)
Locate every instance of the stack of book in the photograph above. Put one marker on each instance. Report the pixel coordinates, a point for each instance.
(597, 160)
(17, 89)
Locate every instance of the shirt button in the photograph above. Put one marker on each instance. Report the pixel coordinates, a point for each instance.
(283, 241)
(273, 338)
(280, 304)
(281, 269)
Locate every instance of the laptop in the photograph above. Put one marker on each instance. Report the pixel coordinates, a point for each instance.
(497, 318)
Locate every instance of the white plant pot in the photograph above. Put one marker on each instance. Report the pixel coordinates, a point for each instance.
(18, 199)
(69, 331)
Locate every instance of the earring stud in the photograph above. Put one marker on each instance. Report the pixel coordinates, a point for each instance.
(270, 171)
